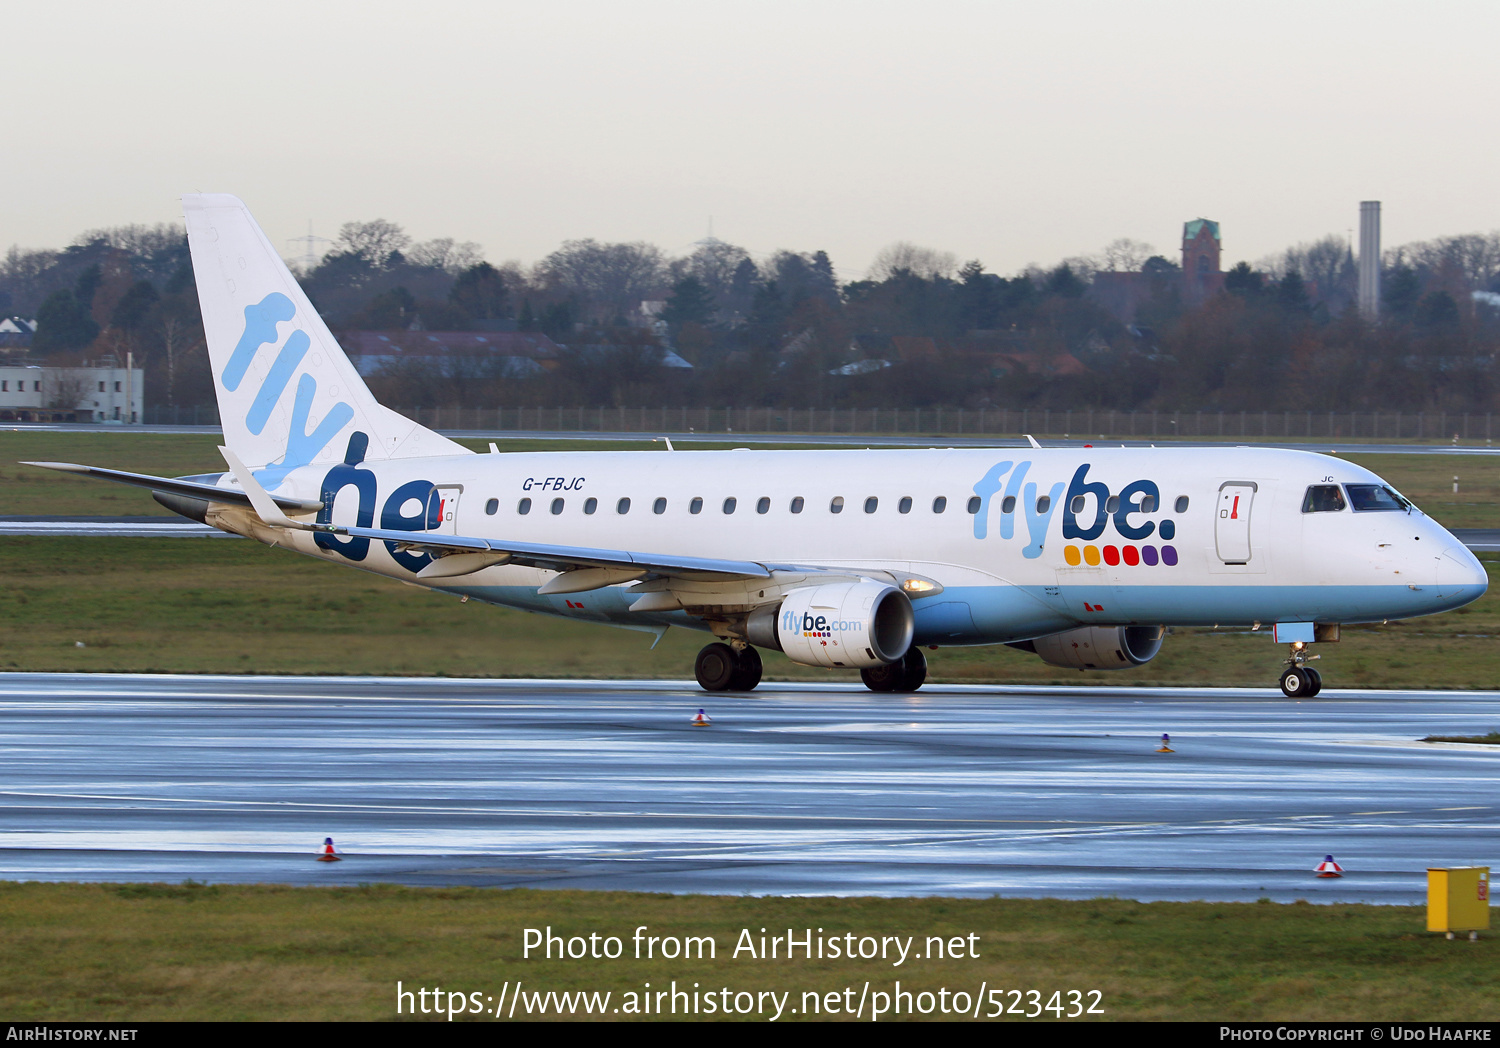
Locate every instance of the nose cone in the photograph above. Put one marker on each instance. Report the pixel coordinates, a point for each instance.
(1461, 578)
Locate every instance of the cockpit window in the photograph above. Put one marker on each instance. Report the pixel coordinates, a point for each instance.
(1367, 497)
(1323, 498)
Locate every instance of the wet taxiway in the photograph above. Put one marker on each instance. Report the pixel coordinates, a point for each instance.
(964, 790)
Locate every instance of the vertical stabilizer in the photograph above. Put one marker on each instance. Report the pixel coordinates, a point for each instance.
(288, 395)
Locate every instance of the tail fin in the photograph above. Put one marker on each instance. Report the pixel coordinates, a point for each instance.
(288, 396)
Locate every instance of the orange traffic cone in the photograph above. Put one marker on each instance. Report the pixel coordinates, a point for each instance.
(1329, 868)
(328, 855)
(701, 721)
(1166, 744)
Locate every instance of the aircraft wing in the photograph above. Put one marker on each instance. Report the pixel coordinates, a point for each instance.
(557, 558)
(189, 488)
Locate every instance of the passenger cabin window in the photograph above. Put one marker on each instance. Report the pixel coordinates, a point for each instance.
(1182, 504)
(622, 507)
(939, 504)
(696, 506)
(730, 503)
(1043, 504)
(1112, 504)
(523, 507)
(589, 505)
(763, 505)
(491, 507)
(1148, 504)
(659, 507)
(974, 504)
(1323, 498)
(904, 506)
(1079, 501)
(872, 504)
(1009, 505)
(1368, 497)
(557, 506)
(797, 504)
(837, 505)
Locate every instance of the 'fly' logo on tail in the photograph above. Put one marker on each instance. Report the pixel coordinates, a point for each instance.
(261, 322)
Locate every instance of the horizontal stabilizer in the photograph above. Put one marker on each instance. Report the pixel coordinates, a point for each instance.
(189, 488)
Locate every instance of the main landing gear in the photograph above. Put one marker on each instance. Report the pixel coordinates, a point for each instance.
(721, 668)
(905, 674)
(1299, 680)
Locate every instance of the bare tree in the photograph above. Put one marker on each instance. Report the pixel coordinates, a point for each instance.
(1126, 256)
(65, 389)
(607, 279)
(373, 241)
(445, 254)
(924, 262)
(713, 262)
(141, 240)
(1474, 258)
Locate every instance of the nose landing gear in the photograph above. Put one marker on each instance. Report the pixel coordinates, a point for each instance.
(1299, 680)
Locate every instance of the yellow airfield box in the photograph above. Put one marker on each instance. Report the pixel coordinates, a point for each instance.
(1458, 899)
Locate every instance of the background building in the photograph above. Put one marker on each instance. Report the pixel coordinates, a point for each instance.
(104, 393)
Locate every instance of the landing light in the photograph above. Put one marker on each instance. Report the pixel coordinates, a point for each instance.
(919, 587)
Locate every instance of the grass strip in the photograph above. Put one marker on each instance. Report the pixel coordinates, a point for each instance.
(131, 605)
(217, 952)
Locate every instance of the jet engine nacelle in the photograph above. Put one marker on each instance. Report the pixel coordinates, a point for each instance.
(1098, 647)
(841, 624)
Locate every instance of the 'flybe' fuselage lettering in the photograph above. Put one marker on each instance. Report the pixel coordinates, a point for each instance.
(1086, 507)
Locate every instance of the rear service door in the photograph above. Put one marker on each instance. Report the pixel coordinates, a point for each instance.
(1232, 526)
(446, 510)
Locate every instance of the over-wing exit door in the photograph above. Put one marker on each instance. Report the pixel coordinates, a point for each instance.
(1232, 528)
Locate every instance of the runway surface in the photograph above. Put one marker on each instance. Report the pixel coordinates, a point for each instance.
(961, 790)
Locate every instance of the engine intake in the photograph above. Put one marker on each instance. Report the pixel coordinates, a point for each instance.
(1098, 647)
(842, 624)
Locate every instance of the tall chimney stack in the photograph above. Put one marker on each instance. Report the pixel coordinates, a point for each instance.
(1369, 259)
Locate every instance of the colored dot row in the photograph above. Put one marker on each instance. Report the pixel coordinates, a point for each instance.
(1113, 555)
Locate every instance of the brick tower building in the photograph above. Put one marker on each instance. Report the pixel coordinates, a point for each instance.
(1201, 272)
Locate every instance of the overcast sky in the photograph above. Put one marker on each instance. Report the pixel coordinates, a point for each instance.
(1009, 132)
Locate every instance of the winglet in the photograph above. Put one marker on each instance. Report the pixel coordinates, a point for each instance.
(1032, 441)
(267, 510)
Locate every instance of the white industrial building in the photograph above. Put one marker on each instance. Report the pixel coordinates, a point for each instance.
(104, 393)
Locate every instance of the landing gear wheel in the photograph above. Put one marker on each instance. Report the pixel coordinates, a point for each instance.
(1314, 681)
(746, 673)
(715, 667)
(906, 674)
(913, 669)
(1297, 683)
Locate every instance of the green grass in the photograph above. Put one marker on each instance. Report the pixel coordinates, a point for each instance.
(231, 606)
(144, 952)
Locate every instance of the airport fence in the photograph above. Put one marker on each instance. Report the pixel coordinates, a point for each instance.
(1081, 424)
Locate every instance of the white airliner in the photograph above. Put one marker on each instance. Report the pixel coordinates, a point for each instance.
(850, 559)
